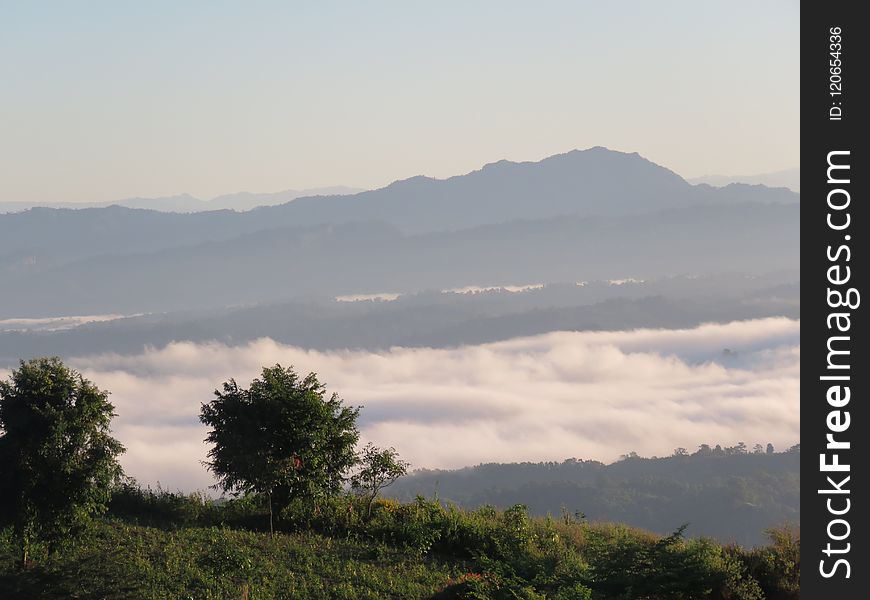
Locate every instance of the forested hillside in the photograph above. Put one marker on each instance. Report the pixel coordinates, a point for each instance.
(732, 494)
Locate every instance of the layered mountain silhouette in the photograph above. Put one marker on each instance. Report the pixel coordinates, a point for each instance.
(185, 203)
(430, 319)
(589, 182)
(592, 214)
(788, 178)
(579, 183)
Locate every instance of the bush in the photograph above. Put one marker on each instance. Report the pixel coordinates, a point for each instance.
(173, 510)
(776, 567)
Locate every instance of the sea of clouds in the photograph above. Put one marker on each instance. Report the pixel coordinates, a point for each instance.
(549, 397)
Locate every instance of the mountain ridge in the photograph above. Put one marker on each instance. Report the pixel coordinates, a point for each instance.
(584, 214)
(369, 257)
(787, 178)
(187, 203)
(582, 183)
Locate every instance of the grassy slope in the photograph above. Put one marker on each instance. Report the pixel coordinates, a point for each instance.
(117, 560)
(164, 545)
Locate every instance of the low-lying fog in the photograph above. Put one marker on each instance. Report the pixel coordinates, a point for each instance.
(591, 395)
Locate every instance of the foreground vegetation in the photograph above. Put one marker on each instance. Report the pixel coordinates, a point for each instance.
(71, 526)
(156, 544)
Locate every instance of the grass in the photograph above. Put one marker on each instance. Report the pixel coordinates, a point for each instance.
(116, 560)
(158, 545)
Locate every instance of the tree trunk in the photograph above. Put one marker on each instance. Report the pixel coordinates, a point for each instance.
(22, 534)
(271, 529)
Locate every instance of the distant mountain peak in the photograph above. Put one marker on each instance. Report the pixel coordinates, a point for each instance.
(788, 178)
(596, 181)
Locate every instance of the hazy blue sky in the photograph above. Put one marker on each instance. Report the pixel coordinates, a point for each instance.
(106, 100)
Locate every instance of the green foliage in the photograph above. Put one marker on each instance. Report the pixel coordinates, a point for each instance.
(421, 549)
(162, 508)
(515, 556)
(57, 457)
(117, 560)
(776, 566)
(627, 566)
(379, 468)
(282, 437)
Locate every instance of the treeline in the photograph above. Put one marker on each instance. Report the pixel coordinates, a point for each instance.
(731, 493)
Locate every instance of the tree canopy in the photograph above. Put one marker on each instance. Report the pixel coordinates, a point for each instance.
(57, 457)
(283, 436)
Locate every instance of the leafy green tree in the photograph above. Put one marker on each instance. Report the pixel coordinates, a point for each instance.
(57, 458)
(379, 468)
(282, 437)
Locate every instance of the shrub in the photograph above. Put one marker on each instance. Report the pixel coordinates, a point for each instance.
(776, 567)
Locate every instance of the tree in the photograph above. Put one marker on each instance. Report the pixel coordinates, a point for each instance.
(379, 468)
(704, 450)
(282, 437)
(740, 448)
(57, 457)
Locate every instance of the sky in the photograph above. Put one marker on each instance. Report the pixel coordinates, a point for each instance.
(540, 398)
(107, 100)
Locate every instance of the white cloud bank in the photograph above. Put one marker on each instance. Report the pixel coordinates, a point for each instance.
(583, 394)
